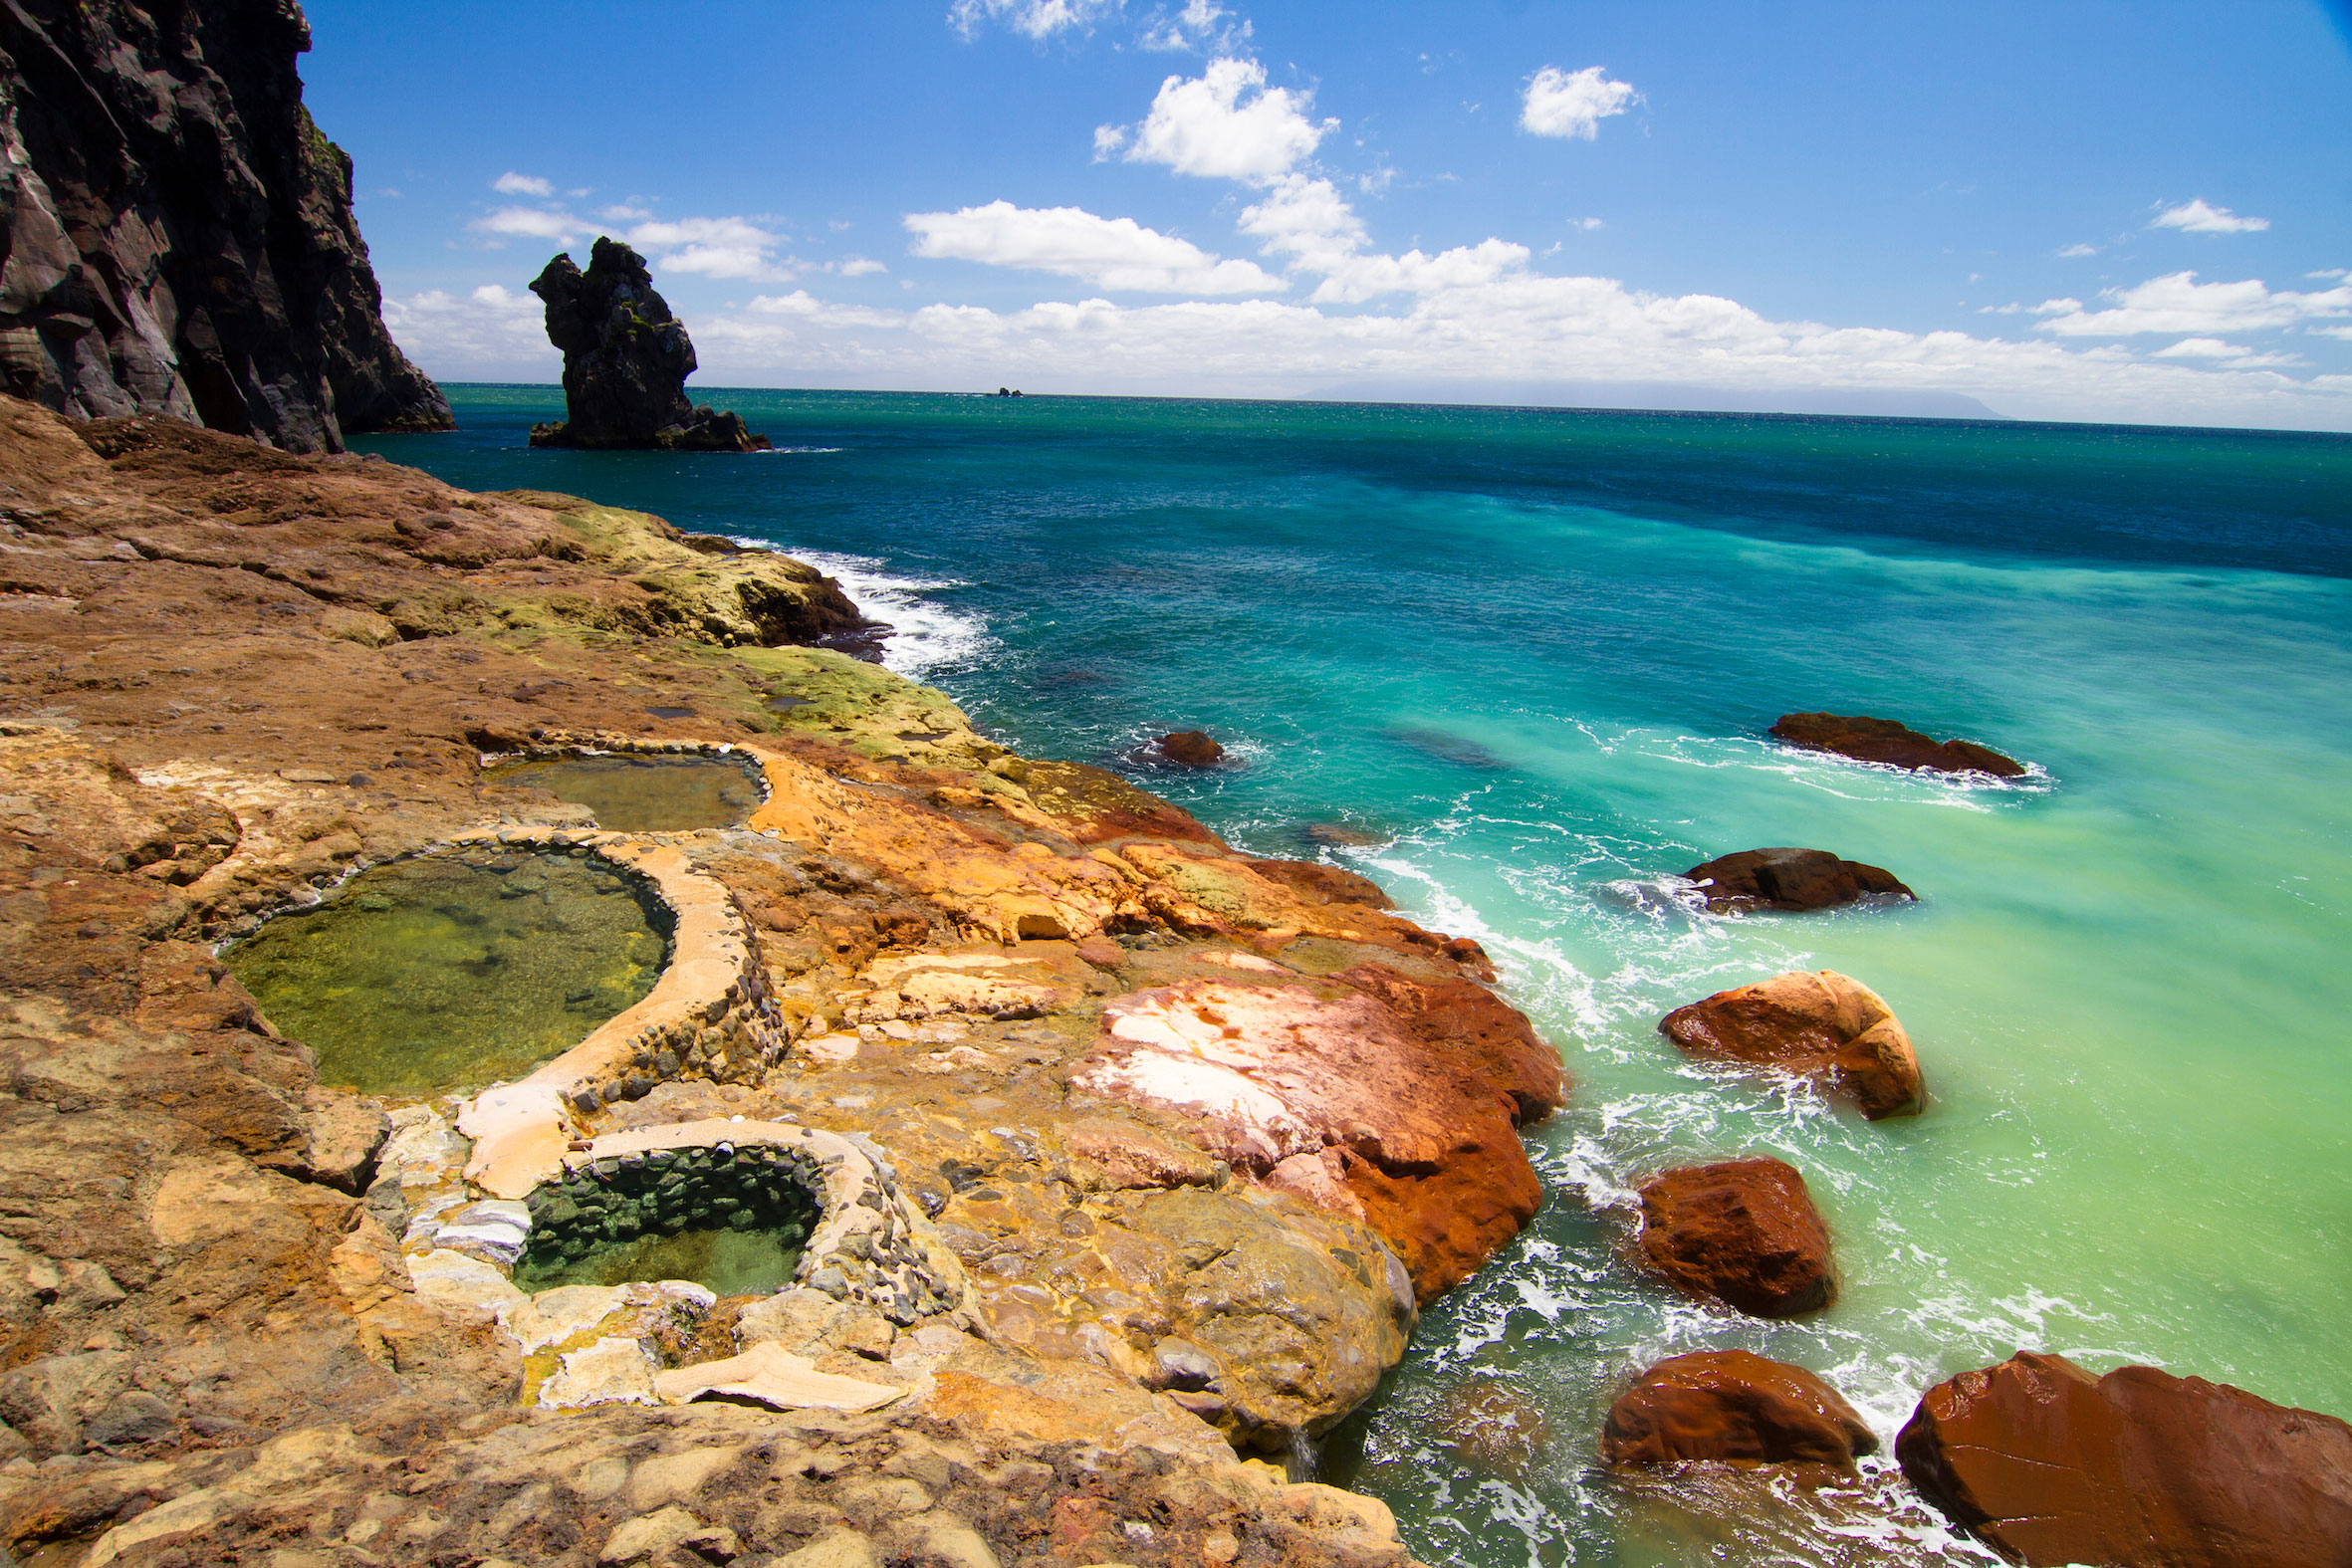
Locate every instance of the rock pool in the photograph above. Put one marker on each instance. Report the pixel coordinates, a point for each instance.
(445, 973)
(637, 794)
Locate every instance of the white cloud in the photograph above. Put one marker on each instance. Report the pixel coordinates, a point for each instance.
(714, 247)
(856, 267)
(1586, 224)
(1108, 139)
(2070, 252)
(2196, 217)
(2235, 356)
(1574, 103)
(1307, 219)
(2201, 348)
(513, 184)
(1038, 19)
(623, 214)
(1227, 124)
(1503, 323)
(491, 330)
(1107, 253)
(528, 223)
(2324, 272)
(2178, 303)
(1203, 26)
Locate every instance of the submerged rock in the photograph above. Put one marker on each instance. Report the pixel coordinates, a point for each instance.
(1736, 1407)
(1822, 1025)
(2140, 1469)
(1897, 745)
(177, 234)
(626, 362)
(1189, 748)
(1792, 879)
(1741, 1232)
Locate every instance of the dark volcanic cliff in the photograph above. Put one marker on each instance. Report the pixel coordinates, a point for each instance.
(176, 235)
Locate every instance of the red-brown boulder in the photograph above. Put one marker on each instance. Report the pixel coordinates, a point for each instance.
(1318, 883)
(1190, 749)
(1390, 1099)
(1870, 740)
(1822, 1025)
(1793, 879)
(2048, 1464)
(1741, 1232)
(1735, 1406)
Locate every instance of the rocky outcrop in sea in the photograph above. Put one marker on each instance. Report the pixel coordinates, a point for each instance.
(177, 234)
(626, 362)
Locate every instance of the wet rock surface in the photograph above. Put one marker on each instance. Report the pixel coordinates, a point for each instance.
(241, 1313)
(1790, 879)
(1736, 1407)
(1823, 1025)
(2050, 1466)
(1894, 744)
(178, 237)
(626, 362)
(1741, 1231)
(1189, 748)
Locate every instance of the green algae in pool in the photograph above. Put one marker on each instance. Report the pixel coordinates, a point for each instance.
(725, 1261)
(632, 794)
(445, 973)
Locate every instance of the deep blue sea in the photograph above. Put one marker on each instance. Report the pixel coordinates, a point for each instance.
(1533, 653)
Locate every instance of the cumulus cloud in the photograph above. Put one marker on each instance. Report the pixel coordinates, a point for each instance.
(856, 266)
(1038, 19)
(1503, 323)
(513, 184)
(2178, 303)
(2071, 252)
(714, 247)
(1203, 26)
(1107, 253)
(1225, 124)
(1574, 103)
(2196, 217)
(492, 329)
(528, 223)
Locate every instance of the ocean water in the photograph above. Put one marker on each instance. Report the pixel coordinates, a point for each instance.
(1535, 652)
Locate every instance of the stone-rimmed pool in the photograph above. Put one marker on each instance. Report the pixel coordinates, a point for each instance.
(443, 972)
(733, 1220)
(645, 792)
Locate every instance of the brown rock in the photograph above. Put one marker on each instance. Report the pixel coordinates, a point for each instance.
(1190, 747)
(2139, 1468)
(1822, 1025)
(1397, 1101)
(1743, 1231)
(1730, 1405)
(1790, 879)
(1896, 745)
(1321, 884)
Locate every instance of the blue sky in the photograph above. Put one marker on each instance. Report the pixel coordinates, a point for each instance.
(2088, 210)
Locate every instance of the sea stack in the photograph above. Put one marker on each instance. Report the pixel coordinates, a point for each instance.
(626, 362)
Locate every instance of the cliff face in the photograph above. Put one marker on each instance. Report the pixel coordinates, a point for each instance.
(176, 235)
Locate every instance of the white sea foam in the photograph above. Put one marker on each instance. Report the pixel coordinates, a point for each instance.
(925, 635)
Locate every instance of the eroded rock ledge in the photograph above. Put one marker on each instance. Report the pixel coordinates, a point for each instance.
(1135, 1154)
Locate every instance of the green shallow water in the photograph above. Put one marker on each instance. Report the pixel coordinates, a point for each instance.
(644, 794)
(728, 1263)
(1540, 648)
(441, 974)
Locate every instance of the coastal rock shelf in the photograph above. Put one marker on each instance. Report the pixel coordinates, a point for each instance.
(440, 973)
(886, 987)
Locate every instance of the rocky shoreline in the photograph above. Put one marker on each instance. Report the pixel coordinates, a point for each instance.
(1171, 1141)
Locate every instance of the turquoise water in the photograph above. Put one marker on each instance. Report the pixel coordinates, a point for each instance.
(1540, 649)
